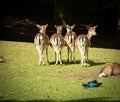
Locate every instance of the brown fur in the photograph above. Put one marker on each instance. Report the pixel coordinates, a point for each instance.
(70, 44)
(57, 48)
(43, 46)
(1, 58)
(111, 69)
(83, 47)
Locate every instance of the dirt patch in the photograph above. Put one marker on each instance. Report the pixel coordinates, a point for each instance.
(76, 75)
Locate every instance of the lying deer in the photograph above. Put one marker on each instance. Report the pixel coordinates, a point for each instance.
(41, 41)
(1, 59)
(70, 37)
(110, 70)
(83, 44)
(57, 42)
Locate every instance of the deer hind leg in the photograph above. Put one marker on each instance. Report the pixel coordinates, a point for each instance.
(57, 54)
(83, 57)
(60, 57)
(86, 58)
(73, 55)
(68, 59)
(70, 55)
(47, 54)
(41, 60)
(81, 53)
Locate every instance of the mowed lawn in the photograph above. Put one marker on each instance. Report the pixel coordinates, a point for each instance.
(23, 80)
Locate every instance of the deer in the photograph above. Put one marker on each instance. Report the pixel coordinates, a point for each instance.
(70, 38)
(57, 41)
(42, 42)
(112, 69)
(83, 43)
(2, 58)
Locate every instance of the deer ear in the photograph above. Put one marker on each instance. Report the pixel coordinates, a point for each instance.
(67, 26)
(55, 26)
(88, 27)
(38, 26)
(46, 25)
(73, 26)
(96, 26)
(62, 26)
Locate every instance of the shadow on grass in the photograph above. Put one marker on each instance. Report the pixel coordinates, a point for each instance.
(99, 99)
(92, 63)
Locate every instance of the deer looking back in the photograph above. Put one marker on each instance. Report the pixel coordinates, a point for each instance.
(83, 43)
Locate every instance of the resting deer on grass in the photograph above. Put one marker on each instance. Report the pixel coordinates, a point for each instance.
(83, 43)
(57, 42)
(70, 37)
(41, 41)
(110, 70)
(1, 59)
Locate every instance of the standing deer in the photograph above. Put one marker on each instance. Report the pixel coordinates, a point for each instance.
(83, 43)
(42, 42)
(57, 42)
(70, 37)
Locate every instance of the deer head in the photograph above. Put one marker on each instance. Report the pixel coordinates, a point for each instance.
(70, 28)
(91, 31)
(59, 28)
(42, 28)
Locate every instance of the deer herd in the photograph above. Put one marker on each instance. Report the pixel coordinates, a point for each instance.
(57, 41)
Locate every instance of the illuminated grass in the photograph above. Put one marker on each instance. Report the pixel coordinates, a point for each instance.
(21, 79)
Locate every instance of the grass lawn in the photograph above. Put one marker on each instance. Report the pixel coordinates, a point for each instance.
(23, 80)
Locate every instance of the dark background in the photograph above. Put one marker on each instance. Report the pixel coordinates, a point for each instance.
(18, 19)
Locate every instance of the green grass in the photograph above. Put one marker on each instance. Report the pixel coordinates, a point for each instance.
(22, 79)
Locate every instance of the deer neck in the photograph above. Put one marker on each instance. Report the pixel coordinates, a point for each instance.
(42, 31)
(59, 31)
(89, 35)
(68, 30)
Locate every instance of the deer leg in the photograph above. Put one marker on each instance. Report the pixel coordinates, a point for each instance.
(68, 54)
(60, 57)
(73, 54)
(42, 59)
(39, 59)
(87, 55)
(56, 58)
(82, 56)
(39, 55)
(47, 55)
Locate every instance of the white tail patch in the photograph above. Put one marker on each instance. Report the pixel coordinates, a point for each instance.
(71, 38)
(57, 41)
(40, 39)
(102, 74)
(82, 41)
